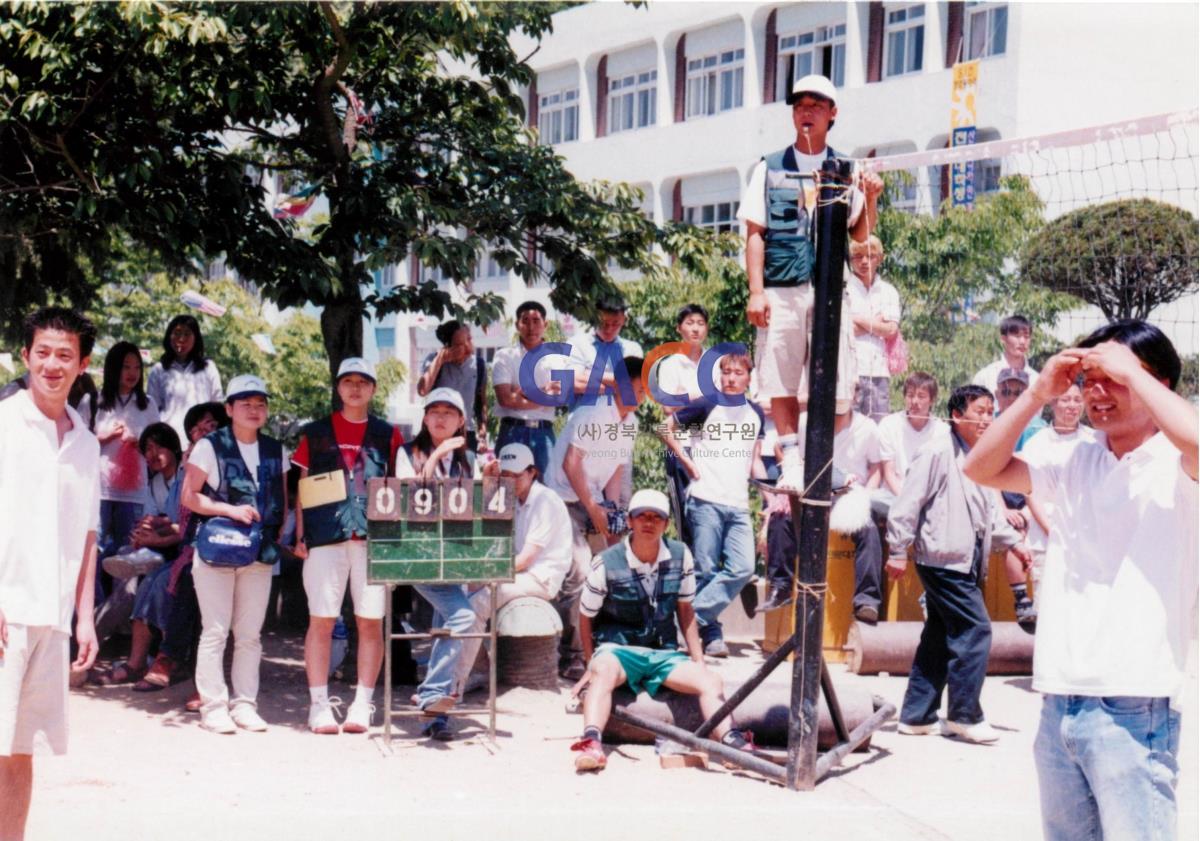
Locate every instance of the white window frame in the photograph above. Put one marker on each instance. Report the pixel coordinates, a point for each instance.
(806, 52)
(715, 83)
(901, 25)
(988, 173)
(718, 217)
(633, 101)
(980, 31)
(558, 116)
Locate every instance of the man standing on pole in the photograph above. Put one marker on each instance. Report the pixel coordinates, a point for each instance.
(779, 209)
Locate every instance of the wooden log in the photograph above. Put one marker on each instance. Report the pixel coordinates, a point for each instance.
(891, 646)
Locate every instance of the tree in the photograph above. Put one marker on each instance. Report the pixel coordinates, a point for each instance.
(162, 122)
(1126, 257)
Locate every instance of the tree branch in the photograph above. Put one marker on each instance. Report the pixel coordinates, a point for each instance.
(327, 84)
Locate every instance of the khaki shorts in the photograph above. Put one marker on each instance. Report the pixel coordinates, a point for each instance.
(33, 690)
(782, 350)
(326, 573)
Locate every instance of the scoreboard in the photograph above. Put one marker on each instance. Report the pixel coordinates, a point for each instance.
(440, 530)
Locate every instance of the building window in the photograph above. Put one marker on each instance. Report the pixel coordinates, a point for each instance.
(987, 176)
(714, 83)
(385, 339)
(904, 190)
(720, 217)
(904, 40)
(632, 101)
(558, 117)
(821, 51)
(488, 269)
(987, 29)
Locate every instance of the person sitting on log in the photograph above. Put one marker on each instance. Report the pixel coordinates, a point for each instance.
(634, 593)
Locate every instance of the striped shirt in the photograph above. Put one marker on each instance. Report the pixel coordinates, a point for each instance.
(596, 586)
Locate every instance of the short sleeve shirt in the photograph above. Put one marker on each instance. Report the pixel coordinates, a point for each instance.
(606, 441)
(595, 588)
(899, 441)
(463, 377)
(542, 520)
(881, 299)
(506, 370)
(753, 207)
(855, 448)
(723, 451)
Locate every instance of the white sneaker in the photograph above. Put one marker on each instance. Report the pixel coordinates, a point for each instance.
(917, 729)
(218, 721)
(791, 473)
(981, 733)
(247, 718)
(358, 717)
(321, 719)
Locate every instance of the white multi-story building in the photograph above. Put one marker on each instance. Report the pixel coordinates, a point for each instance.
(681, 99)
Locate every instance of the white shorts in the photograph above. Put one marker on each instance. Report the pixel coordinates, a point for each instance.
(781, 351)
(326, 572)
(33, 690)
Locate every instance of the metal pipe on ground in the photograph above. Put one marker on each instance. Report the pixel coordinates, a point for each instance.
(859, 735)
(891, 646)
(764, 712)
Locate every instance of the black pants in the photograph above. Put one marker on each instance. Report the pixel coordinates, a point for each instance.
(868, 560)
(954, 647)
(183, 620)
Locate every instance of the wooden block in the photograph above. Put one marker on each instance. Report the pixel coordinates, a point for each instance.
(457, 498)
(499, 498)
(384, 500)
(423, 501)
(684, 760)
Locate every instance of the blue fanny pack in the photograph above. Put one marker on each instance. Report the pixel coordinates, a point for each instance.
(222, 542)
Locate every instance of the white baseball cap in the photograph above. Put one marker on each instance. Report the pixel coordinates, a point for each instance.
(649, 500)
(515, 458)
(813, 83)
(448, 396)
(355, 365)
(245, 385)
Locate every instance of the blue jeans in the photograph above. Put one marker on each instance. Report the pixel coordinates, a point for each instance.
(954, 646)
(450, 603)
(723, 550)
(539, 440)
(1107, 767)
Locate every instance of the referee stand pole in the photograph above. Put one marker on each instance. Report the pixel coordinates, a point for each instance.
(810, 511)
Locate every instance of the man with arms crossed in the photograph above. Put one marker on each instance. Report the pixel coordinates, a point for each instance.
(1118, 592)
(50, 496)
(778, 207)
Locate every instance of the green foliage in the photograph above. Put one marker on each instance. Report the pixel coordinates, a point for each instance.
(164, 122)
(390, 375)
(938, 262)
(1126, 257)
(954, 362)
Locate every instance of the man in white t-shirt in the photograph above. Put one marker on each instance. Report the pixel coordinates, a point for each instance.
(522, 421)
(541, 541)
(50, 496)
(1119, 590)
(1015, 334)
(586, 467)
(778, 207)
(901, 434)
(875, 316)
(720, 466)
(856, 458)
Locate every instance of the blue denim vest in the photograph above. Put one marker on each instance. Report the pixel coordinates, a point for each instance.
(789, 255)
(627, 616)
(339, 521)
(238, 488)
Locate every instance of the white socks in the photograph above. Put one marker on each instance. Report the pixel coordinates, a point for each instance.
(319, 694)
(364, 694)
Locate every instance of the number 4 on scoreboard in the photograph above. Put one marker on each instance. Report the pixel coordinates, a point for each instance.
(499, 498)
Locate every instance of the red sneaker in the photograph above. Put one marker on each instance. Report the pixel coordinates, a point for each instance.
(591, 755)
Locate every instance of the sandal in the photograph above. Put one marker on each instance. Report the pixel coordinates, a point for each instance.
(160, 675)
(120, 674)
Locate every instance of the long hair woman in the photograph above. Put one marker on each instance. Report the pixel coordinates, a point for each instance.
(183, 375)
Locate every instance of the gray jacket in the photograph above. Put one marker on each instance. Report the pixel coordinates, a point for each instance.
(932, 512)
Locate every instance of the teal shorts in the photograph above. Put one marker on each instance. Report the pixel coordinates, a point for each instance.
(645, 668)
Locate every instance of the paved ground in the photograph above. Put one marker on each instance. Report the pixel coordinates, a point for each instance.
(140, 768)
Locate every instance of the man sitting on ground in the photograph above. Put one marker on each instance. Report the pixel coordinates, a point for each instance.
(634, 593)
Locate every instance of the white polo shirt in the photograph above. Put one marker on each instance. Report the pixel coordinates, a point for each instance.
(1118, 593)
(506, 370)
(607, 444)
(882, 299)
(50, 499)
(543, 521)
(899, 442)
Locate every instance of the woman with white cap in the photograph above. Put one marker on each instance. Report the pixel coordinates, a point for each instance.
(234, 483)
(440, 452)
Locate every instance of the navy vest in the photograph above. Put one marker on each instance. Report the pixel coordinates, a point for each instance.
(789, 254)
(627, 616)
(238, 488)
(339, 521)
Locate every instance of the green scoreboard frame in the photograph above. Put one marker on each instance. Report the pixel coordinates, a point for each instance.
(440, 531)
